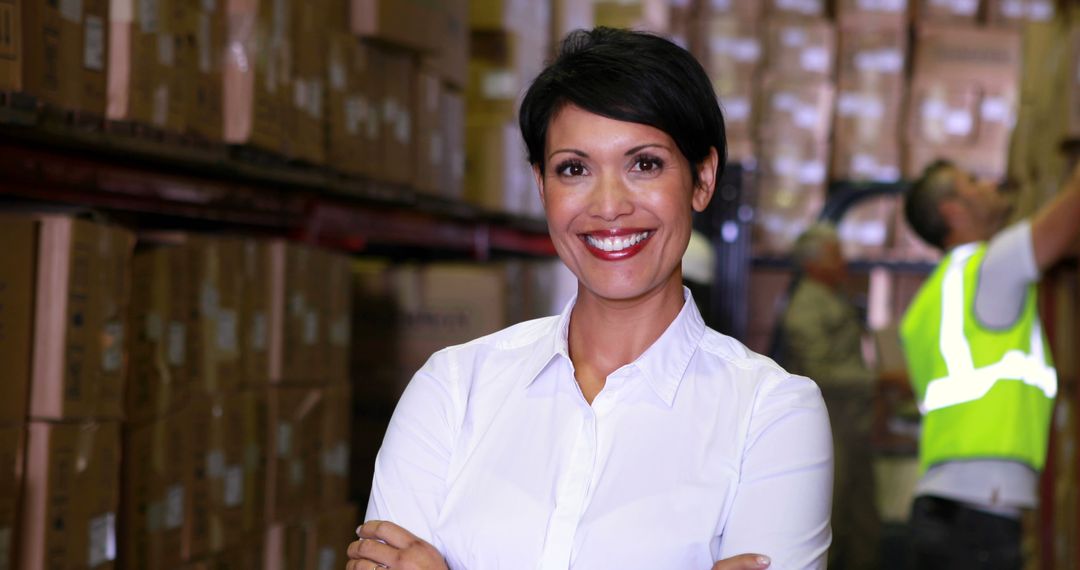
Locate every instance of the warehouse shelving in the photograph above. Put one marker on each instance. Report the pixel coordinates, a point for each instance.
(150, 179)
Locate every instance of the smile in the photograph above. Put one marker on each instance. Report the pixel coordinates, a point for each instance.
(611, 247)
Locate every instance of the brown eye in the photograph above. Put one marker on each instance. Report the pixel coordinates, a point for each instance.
(571, 168)
(648, 164)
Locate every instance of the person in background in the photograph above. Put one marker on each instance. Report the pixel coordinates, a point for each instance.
(822, 336)
(980, 366)
(622, 433)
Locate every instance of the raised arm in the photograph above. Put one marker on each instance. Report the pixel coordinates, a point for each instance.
(1055, 228)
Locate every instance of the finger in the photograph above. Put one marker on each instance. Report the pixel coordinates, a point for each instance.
(362, 564)
(371, 549)
(387, 532)
(743, 562)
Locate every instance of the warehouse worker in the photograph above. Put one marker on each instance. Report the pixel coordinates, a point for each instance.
(822, 338)
(622, 433)
(980, 366)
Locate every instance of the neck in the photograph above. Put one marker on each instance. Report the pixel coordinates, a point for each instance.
(607, 334)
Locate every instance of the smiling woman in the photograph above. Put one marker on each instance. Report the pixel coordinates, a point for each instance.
(622, 433)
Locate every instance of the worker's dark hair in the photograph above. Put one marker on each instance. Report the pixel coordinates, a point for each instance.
(922, 205)
(627, 76)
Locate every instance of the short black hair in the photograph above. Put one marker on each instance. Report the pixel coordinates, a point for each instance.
(922, 205)
(628, 76)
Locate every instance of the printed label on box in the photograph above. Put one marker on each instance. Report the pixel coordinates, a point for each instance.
(311, 328)
(259, 336)
(166, 49)
(177, 343)
(215, 464)
(71, 10)
(337, 75)
(1040, 10)
(336, 460)
(327, 558)
(160, 113)
(499, 84)
(234, 486)
(155, 516)
(112, 355)
(227, 333)
(209, 299)
(149, 16)
(174, 507)
(296, 472)
(153, 327)
(995, 110)
(815, 59)
(209, 5)
(284, 439)
(808, 7)
(102, 539)
(882, 5)
(297, 305)
(880, 61)
(94, 43)
(738, 109)
(339, 332)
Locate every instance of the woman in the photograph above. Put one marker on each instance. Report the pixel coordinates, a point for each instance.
(622, 433)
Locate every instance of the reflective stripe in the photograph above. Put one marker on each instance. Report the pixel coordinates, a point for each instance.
(965, 383)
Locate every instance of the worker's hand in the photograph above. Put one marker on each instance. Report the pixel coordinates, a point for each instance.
(384, 544)
(743, 562)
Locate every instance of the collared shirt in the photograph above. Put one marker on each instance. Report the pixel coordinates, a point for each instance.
(696, 451)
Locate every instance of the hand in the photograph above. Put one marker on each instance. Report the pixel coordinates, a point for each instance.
(743, 562)
(384, 544)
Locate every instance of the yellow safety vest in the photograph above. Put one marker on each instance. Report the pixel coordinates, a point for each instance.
(984, 393)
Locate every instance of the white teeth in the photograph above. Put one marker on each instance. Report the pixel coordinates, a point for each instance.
(617, 243)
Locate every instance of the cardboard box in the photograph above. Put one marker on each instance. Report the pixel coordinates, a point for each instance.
(498, 177)
(864, 231)
(733, 60)
(158, 380)
(800, 50)
(795, 109)
(207, 22)
(91, 31)
(334, 461)
(963, 100)
(257, 73)
(452, 57)
(12, 440)
(149, 51)
(225, 468)
(874, 12)
(648, 15)
(286, 545)
(396, 108)
(948, 11)
(410, 24)
(1016, 13)
(216, 296)
(329, 535)
(337, 321)
(746, 11)
(354, 128)
(11, 45)
(790, 191)
(296, 418)
(64, 525)
(255, 314)
(871, 85)
(298, 321)
(429, 165)
(157, 478)
(17, 264)
(306, 120)
(452, 128)
(795, 9)
(256, 437)
(80, 356)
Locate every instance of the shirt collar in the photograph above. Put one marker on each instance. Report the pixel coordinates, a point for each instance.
(663, 364)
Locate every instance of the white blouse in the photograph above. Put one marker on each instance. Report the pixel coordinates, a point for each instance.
(696, 451)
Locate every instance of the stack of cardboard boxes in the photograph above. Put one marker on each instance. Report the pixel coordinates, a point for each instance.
(79, 276)
(732, 55)
(509, 40)
(795, 124)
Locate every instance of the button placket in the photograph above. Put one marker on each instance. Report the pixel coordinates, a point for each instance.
(571, 497)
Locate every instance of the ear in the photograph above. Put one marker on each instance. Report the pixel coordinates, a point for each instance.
(951, 210)
(706, 174)
(538, 175)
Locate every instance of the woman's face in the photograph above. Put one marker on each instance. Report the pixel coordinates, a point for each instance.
(618, 198)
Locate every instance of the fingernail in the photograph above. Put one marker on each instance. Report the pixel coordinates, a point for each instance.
(358, 530)
(763, 561)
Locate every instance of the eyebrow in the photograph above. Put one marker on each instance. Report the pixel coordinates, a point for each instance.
(632, 151)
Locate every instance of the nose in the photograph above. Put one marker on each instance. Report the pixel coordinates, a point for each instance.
(610, 198)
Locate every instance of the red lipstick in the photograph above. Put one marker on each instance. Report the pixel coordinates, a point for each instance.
(617, 239)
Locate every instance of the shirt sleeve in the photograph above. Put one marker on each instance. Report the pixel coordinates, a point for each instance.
(411, 467)
(784, 497)
(1008, 268)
